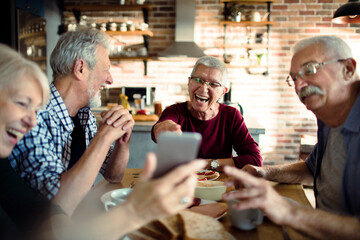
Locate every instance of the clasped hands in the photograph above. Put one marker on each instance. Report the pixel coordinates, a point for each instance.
(119, 118)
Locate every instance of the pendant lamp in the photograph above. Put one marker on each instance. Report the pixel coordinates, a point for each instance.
(348, 13)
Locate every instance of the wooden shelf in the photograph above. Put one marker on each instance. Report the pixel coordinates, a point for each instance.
(83, 8)
(144, 59)
(124, 58)
(252, 69)
(257, 46)
(37, 59)
(248, 1)
(130, 33)
(106, 7)
(229, 65)
(247, 23)
(32, 35)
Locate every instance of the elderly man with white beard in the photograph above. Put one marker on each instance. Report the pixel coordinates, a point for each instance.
(323, 72)
(61, 157)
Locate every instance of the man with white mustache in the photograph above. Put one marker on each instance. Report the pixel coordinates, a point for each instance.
(303, 93)
(61, 157)
(323, 72)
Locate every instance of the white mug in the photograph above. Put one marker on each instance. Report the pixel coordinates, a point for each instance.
(246, 219)
(117, 197)
(255, 16)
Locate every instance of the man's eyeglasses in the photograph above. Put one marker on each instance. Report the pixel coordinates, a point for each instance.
(199, 81)
(307, 70)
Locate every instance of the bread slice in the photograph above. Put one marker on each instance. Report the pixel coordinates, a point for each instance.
(169, 226)
(214, 210)
(137, 235)
(197, 226)
(153, 231)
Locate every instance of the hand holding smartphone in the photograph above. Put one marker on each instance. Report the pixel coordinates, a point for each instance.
(174, 149)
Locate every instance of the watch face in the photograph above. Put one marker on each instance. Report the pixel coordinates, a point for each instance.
(214, 164)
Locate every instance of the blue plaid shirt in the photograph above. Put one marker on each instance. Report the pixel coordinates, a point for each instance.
(44, 153)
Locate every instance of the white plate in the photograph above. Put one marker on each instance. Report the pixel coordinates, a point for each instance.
(205, 175)
(205, 201)
(221, 215)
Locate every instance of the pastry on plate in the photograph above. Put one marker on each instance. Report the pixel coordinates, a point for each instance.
(204, 175)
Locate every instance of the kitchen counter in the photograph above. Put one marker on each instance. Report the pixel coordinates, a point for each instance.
(254, 127)
(143, 126)
(141, 142)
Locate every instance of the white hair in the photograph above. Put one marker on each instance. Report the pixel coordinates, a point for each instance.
(334, 45)
(213, 62)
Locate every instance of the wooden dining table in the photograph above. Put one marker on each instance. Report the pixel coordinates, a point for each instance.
(91, 206)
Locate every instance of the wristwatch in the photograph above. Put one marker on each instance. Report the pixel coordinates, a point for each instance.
(214, 164)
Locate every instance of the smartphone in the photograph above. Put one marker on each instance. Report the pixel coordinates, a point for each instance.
(174, 149)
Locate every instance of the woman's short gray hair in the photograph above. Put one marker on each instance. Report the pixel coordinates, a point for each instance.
(13, 67)
(335, 45)
(75, 45)
(213, 62)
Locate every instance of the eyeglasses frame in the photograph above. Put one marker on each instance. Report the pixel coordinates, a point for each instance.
(202, 82)
(291, 81)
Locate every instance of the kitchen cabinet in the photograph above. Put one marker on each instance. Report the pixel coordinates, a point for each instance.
(247, 34)
(121, 55)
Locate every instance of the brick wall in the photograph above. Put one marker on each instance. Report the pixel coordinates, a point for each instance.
(268, 99)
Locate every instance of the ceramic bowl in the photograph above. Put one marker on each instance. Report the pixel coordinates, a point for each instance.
(115, 197)
(210, 190)
(119, 195)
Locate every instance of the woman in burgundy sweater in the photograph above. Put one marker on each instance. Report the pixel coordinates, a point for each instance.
(222, 127)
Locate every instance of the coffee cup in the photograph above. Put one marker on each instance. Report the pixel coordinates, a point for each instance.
(255, 16)
(246, 219)
(117, 197)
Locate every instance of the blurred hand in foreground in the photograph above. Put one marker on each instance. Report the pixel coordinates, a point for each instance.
(164, 196)
(257, 193)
